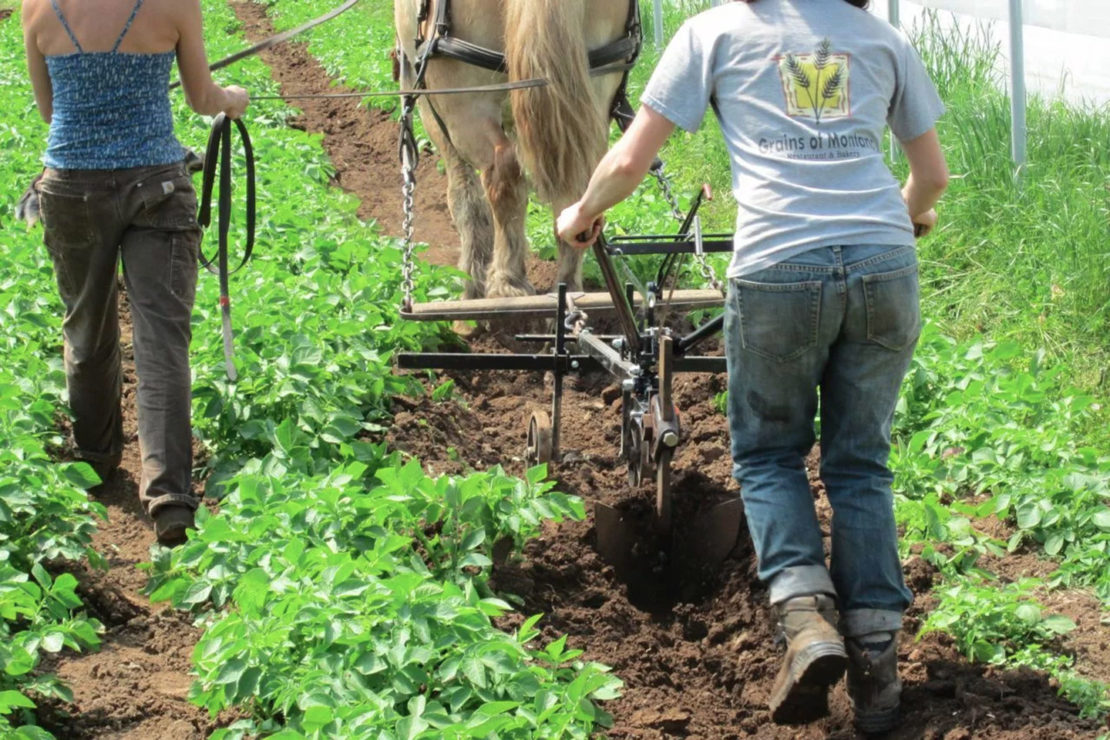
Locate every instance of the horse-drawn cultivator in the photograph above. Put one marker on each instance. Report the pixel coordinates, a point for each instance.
(643, 358)
(567, 66)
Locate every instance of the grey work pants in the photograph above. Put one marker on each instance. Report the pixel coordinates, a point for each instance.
(147, 216)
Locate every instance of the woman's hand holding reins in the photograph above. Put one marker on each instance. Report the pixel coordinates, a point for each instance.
(236, 101)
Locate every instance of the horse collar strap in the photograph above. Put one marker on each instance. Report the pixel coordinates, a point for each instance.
(441, 43)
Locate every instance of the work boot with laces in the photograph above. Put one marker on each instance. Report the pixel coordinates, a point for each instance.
(815, 659)
(873, 682)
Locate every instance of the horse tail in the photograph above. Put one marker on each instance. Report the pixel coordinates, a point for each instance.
(560, 127)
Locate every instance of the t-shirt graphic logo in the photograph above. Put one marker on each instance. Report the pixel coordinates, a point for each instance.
(816, 85)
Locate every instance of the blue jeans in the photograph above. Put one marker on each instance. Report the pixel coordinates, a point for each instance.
(843, 321)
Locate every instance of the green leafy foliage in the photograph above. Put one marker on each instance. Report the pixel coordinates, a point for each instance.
(988, 422)
(45, 514)
(1003, 624)
(351, 606)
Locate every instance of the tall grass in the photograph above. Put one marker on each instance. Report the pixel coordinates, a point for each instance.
(1019, 255)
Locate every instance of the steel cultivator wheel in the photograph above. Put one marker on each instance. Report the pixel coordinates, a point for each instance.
(539, 448)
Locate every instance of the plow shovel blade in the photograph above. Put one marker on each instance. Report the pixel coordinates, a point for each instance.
(624, 541)
(617, 537)
(712, 534)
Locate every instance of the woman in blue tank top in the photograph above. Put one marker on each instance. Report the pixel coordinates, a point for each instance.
(115, 188)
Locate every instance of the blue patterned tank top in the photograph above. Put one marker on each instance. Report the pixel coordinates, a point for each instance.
(111, 109)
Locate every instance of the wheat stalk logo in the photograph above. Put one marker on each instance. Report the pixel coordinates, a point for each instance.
(830, 90)
(822, 76)
(797, 71)
(821, 58)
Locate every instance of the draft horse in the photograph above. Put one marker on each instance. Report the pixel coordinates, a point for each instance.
(556, 133)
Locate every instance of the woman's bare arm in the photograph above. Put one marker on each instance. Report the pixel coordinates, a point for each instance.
(201, 93)
(927, 181)
(36, 62)
(616, 177)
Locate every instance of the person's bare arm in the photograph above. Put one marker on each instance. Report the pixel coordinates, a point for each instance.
(202, 94)
(36, 64)
(927, 181)
(616, 176)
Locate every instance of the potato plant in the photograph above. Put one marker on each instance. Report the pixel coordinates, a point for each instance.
(45, 515)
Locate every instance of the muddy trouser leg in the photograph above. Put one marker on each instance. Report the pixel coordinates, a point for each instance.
(776, 351)
(160, 271)
(80, 235)
(858, 394)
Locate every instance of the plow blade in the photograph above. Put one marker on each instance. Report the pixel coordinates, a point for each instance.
(628, 542)
(617, 538)
(712, 534)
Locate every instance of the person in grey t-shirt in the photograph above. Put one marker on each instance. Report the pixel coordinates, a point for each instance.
(822, 306)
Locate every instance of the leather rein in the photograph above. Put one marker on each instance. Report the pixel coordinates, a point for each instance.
(218, 152)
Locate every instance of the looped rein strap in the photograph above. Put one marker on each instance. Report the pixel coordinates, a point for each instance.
(219, 150)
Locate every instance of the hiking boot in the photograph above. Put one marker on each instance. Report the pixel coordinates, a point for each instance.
(815, 659)
(873, 682)
(170, 523)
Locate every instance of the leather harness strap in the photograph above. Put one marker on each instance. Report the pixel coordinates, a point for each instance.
(442, 44)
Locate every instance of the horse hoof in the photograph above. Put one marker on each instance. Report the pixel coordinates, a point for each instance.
(467, 329)
(508, 289)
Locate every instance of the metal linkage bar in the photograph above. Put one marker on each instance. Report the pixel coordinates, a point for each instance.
(604, 355)
(700, 365)
(560, 352)
(624, 312)
(707, 329)
(466, 361)
(576, 363)
(631, 246)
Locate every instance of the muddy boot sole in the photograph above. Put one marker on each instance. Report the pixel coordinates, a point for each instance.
(877, 723)
(802, 694)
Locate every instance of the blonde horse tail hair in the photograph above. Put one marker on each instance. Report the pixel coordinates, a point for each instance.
(560, 127)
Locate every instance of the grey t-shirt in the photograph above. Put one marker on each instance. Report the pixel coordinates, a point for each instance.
(803, 90)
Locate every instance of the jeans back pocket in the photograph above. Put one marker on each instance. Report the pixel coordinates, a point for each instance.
(166, 202)
(778, 320)
(893, 311)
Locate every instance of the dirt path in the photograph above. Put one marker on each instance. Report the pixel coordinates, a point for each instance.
(694, 649)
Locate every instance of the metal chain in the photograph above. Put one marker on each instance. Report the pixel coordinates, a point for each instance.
(665, 185)
(408, 190)
(708, 274)
(576, 319)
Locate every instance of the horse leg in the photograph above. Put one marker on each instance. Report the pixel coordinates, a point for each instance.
(474, 223)
(471, 215)
(508, 195)
(570, 259)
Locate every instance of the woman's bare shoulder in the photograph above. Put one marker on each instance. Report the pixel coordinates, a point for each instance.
(174, 9)
(30, 10)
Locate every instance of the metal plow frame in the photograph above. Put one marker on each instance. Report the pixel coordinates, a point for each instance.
(643, 360)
